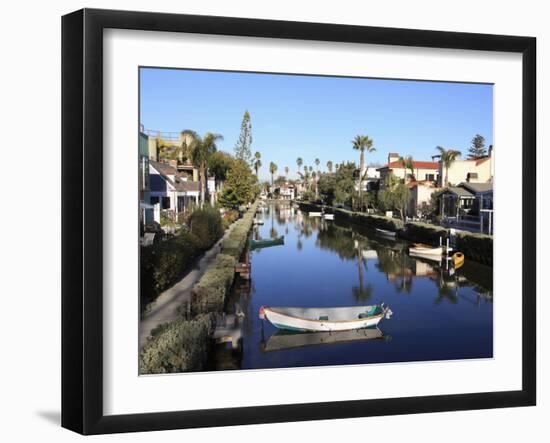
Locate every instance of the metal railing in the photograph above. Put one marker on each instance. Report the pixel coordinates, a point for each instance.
(165, 135)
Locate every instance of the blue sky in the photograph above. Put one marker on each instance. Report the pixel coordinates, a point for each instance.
(306, 116)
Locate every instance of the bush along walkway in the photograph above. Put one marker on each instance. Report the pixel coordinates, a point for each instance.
(171, 340)
(476, 247)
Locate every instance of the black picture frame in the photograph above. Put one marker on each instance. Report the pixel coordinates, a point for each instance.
(82, 218)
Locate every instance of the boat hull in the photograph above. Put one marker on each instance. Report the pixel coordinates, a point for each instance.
(385, 233)
(426, 252)
(283, 320)
(283, 340)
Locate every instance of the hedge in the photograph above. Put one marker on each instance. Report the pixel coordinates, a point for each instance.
(178, 346)
(163, 263)
(209, 293)
(206, 224)
(424, 233)
(477, 247)
(369, 220)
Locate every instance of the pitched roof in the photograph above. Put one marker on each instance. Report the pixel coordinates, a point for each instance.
(417, 165)
(167, 172)
(477, 187)
(164, 168)
(458, 191)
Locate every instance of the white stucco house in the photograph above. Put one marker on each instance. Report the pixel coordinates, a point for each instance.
(171, 190)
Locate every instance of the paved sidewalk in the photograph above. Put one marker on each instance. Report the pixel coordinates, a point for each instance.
(164, 308)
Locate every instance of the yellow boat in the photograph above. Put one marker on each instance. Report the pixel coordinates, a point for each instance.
(458, 259)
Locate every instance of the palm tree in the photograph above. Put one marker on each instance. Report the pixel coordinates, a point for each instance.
(447, 158)
(199, 149)
(286, 171)
(313, 179)
(362, 143)
(329, 166)
(272, 169)
(317, 163)
(408, 164)
(257, 162)
(299, 162)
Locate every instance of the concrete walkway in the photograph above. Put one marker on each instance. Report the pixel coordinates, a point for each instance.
(164, 308)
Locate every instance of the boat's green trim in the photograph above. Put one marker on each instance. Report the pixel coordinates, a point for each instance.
(289, 328)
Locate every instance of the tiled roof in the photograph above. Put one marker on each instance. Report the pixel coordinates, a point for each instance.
(417, 165)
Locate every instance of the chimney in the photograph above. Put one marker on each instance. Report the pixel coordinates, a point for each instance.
(174, 164)
(393, 157)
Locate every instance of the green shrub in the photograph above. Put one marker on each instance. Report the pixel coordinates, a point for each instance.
(210, 291)
(476, 247)
(425, 233)
(370, 220)
(206, 225)
(163, 263)
(178, 346)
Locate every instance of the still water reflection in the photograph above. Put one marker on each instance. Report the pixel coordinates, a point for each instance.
(438, 314)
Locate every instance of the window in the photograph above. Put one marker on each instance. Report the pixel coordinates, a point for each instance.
(430, 177)
(165, 203)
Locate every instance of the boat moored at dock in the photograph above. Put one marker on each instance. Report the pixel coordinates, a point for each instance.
(325, 319)
(386, 233)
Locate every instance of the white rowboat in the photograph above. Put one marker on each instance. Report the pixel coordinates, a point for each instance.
(325, 319)
(386, 233)
(421, 250)
(328, 216)
(315, 214)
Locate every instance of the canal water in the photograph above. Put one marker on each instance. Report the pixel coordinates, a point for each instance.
(438, 313)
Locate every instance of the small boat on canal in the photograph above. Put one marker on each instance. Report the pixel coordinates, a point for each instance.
(267, 242)
(328, 216)
(282, 340)
(426, 251)
(315, 214)
(386, 233)
(258, 221)
(325, 319)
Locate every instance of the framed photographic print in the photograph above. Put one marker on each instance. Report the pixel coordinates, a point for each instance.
(285, 221)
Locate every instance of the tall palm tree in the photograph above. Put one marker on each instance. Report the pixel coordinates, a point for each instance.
(329, 166)
(199, 149)
(286, 171)
(408, 165)
(447, 158)
(299, 162)
(317, 163)
(257, 162)
(362, 143)
(272, 169)
(314, 180)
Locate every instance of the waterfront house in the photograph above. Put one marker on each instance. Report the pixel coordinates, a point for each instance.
(423, 170)
(145, 207)
(370, 179)
(468, 206)
(472, 170)
(420, 197)
(171, 189)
